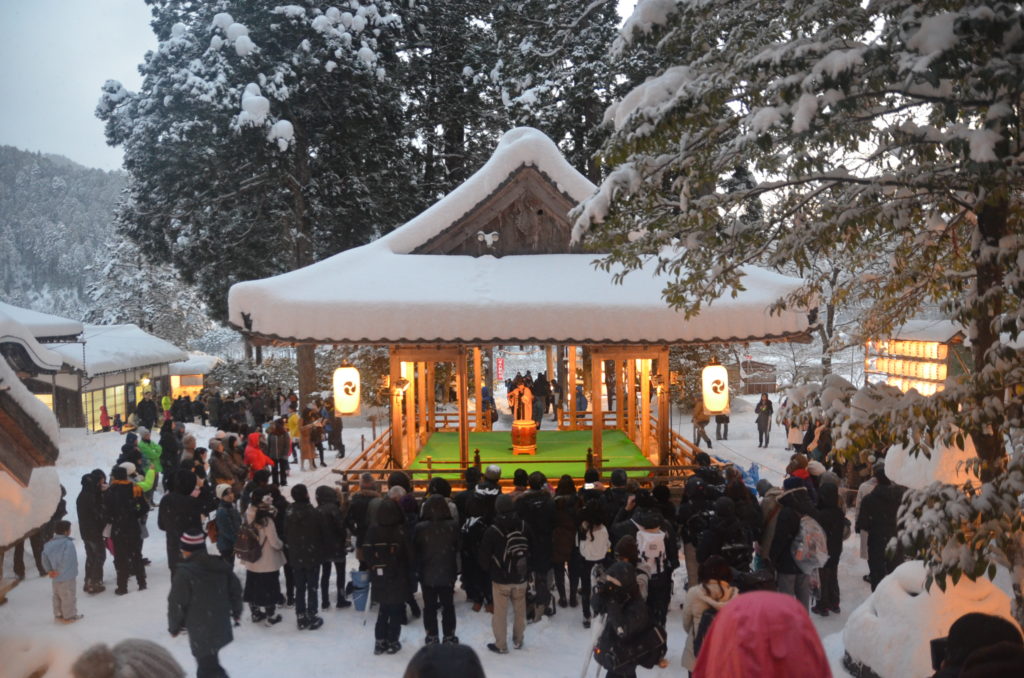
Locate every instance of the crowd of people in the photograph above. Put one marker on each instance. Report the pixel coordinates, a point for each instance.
(756, 560)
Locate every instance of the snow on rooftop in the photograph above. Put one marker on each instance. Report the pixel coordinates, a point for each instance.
(113, 348)
(14, 332)
(927, 330)
(380, 293)
(42, 324)
(33, 406)
(197, 363)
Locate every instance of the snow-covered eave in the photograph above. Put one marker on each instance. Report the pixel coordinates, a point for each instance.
(277, 340)
(118, 348)
(197, 363)
(46, 328)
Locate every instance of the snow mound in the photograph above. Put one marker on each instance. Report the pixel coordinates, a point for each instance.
(890, 631)
(26, 508)
(946, 465)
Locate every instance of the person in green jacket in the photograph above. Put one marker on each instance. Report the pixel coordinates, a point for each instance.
(151, 451)
(166, 402)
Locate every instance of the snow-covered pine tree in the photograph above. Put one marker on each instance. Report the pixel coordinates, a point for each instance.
(128, 288)
(450, 107)
(554, 71)
(871, 127)
(262, 139)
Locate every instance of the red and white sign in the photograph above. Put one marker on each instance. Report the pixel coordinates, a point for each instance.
(499, 367)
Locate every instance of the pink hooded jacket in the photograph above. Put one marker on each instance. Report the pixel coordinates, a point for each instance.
(762, 634)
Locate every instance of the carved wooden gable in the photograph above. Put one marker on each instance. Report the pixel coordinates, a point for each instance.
(527, 214)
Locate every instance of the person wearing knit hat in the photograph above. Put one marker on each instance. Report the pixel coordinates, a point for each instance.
(130, 658)
(229, 522)
(205, 597)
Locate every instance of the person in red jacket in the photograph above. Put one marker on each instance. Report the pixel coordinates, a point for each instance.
(255, 458)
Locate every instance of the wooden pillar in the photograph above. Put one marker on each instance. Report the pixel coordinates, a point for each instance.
(549, 350)
(478, 380)
(645, 405)
(397, 437)
(597, 407)
(570, 387)
(462, 394)
(664, 445)
(410, 414)
(621, 420)
(431, 397)
(630, 394)
(421, 402)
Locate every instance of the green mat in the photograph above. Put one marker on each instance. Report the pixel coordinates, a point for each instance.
(569, 448)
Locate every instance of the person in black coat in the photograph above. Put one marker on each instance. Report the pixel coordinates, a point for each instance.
(358, 517)
(145, 412)
(91, 521)
(537, 507)
(834, 522)
(335, 545)
(390, 559)
(795, 503)
(304, 527)
(727, 537)
(615, 497)
(205, 597)
(460, 498)
(435, 545)
(627, 619)
(878, 516)
(125, 507)
(179, 513)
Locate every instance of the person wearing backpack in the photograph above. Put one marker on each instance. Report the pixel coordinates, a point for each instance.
(436, 544)
(703, 602)
(629, 637)
(727, 537)
(262, 578)
(335, 546)
(304, 531)
(878, 517)
(389, 559)
(795, 504)
(504, 553)
(593, 546)
(179, 512)
(537, 508)
(693, 518)
(657, 551)
(835, 523)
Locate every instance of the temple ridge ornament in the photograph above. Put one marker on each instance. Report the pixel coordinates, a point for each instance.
(488, 239)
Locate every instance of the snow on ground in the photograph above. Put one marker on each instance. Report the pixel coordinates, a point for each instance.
(555, 647)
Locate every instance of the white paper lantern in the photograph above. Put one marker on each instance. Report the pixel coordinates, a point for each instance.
(715, 383)
(346, 390)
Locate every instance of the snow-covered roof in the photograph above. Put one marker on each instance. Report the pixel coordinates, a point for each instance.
(918, 329)
(197, 363)
(32, 406)
(14, 332)
(114, 348)
(42, 325)
(380, 293)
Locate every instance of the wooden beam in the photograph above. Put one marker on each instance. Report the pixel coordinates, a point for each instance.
(421, 402)
(395, 373)
(478, 387)
(597, 407)
(431, 397)
(419, 353)
(462, 396)
(664, 445)
(645, 406)
(630, 393)
(410, 415)
(570, 388)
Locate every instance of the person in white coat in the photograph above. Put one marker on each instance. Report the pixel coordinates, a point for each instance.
(712, 594)
(262, 577)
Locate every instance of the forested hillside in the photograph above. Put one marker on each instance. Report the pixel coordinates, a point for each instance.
(55, 217)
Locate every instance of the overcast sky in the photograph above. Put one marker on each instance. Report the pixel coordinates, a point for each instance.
(56, 54)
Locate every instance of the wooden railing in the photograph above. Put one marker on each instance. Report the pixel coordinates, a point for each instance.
(584, 420)
(376, 455)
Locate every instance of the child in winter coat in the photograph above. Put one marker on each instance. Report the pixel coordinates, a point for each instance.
(61, 562)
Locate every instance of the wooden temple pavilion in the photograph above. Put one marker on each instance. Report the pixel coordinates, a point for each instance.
(493, 264)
